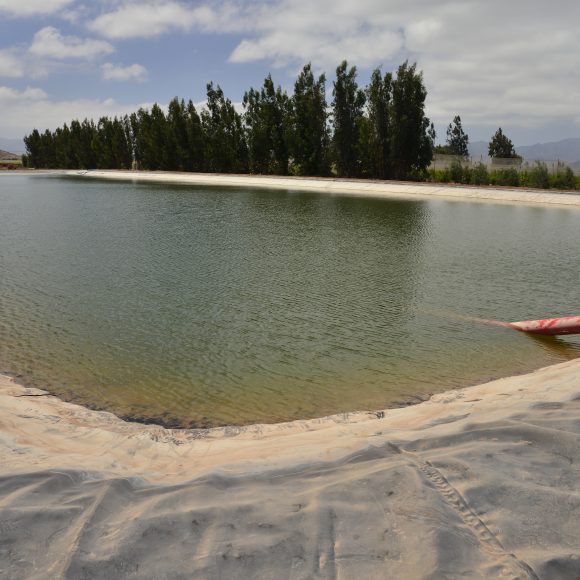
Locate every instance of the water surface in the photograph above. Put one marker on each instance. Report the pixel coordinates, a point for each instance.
(206, 306)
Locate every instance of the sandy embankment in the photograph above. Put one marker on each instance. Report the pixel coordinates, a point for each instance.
(477, 482)
(369, 188)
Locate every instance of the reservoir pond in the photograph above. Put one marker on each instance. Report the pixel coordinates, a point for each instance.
(202, 306)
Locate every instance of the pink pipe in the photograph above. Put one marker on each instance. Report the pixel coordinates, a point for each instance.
(549, 326)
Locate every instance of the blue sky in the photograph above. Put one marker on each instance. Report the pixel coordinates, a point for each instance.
(495, 63)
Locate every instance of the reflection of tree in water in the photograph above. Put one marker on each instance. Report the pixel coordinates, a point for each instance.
(348, 269)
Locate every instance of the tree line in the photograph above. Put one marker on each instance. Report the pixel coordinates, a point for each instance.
(457, 143)
(378, 131)
(499, 147)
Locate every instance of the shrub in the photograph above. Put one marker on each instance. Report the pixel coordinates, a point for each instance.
(436, 175)
(456, 171)
(564, 178)
(439, 175)
(538, 176)
(480, 175)
(508, 177)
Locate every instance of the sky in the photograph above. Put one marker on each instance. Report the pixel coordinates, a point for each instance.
(512, 63)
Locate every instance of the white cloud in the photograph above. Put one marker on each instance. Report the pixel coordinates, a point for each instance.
(23, 111)
(493, 62)
(49, 42)
(489, 61)
(33, 7)
(151, 18)
(134, 72)
(75, 14)
(10, 64)
(8, 94)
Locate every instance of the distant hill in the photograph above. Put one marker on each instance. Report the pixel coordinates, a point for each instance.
(567, 151)
(478, 149)
(5, 156)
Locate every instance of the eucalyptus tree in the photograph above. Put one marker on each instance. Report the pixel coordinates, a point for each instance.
(81, 137)
(65, 156)
(265, 117)
(103, 143)
(121, 145)
(195, 139)
(145, 153)
(32, 142)
(226, 148)
(310, 135)
(412, 133)
(176, 142)
(40, 150)
(347, 112)
(136, 140)
(158, 128)
(376, 142)
(149, 136)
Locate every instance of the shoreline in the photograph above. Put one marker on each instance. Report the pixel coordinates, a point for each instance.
(476, 482)
(368, 188)
(47, 406)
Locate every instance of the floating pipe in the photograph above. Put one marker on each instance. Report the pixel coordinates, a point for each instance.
(549, 326)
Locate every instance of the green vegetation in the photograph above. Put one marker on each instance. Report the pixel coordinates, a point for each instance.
(375, 127)
(501, 146)
(276, 133)
(537, 176)
(267, 118)
(348, 111)
(412, 134)
(457, 139)
(309, 129)
(377, 132)
(479, 175)
(10, 164)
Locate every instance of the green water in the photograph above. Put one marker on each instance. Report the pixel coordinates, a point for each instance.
(209, 306)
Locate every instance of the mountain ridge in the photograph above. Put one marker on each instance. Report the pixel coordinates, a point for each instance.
(7, 156)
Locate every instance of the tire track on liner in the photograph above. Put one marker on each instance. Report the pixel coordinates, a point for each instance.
(489, 541)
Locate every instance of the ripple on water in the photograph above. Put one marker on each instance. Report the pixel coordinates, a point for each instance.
(209, 306)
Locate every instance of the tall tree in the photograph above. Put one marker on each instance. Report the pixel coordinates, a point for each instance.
(120, 145)
(150, 133)
(392, 137)
(195, 140)
(412, 133)
(33, 149)
(279, 106)
(310, 136)
(457, 139)
(66, 157)
(347, 112)
(176, 138)
(48, 150)
(137, 139)
(501, 146)
(226, 147)
(377, 127)
(265, 117)
(160, 154)
(258, 132)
